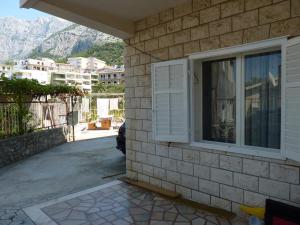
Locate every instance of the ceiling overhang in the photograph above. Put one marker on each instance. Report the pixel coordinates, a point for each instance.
(115, 17)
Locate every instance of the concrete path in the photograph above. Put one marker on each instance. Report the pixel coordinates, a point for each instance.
(63, 170)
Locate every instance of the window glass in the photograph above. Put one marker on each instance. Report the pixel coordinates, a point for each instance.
(263, 99)
(219, 100)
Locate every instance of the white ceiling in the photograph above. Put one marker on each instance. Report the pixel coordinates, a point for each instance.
(129, 9)
(114, 17)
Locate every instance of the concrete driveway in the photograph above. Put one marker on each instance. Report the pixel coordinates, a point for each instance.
(66, 169)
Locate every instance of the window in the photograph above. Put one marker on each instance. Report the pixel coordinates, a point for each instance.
(263, 100)
(242, 99)
(219, 100)
(237, 100)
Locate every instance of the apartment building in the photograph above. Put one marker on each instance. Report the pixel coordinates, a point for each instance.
(91, 63)
(68, 74)
(6, 70)
(43, 64)
(109, 75)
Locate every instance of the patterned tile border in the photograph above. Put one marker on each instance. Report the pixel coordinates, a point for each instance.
(40, 218)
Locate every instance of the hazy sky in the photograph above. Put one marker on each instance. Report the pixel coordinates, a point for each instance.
(10, 8)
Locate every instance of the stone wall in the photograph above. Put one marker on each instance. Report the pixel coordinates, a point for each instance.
(17, 148)
(212, 177)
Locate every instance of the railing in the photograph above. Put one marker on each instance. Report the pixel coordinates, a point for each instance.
(40, 116)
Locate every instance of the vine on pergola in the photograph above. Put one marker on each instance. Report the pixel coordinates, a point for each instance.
(22, 91)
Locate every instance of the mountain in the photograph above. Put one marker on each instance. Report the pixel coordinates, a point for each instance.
(71, 40)
(49, 37)
(19, 37)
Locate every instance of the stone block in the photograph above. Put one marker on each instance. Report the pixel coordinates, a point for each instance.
(146, 103)
(231, 193)
(136, 166)
(254, 4)
(295, 7)
(209, 159)
(214, 2)
(286, 27)
(141, 136)
(160, 30)
(147, 125)
(191, 156)
(200, 197)
(284, 173)
(168, 186)
(245, 20)
(185, 167)
(254, 199)
(152, 20)
(189, 181)
(295, 193)
(182, 36)
(176, 51)
(166, 41)
(169, 164)
(255, 167)
(221, 176)
(131, 174)
(185, 192)
(148, 148)
(161, 54)
(209, 187)
(173, 177)
(200, 4)
(199, 32)
(202, 171)
(139, 70)
(146, 34)
(143, 178)
(231, 163)
(210, 14)
(175, 153)
(155, 182)
(162, 150)
(147, 170)
(183, 9)
(220, 27)
(151, 45)
(256, 33)
(153, 160)
(190, 21)
(191, 47)
(135, 60)
(159, 173)
(246, 182)
(210, 43)
(232, 7)
(141, 114)
(274, 188)
(274, 12)
(166, 15)
(175, 25)
(220, 203)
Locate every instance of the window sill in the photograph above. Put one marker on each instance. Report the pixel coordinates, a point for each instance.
(247, 150)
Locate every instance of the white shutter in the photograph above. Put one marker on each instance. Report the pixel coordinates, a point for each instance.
(291, 115)
(170, 101)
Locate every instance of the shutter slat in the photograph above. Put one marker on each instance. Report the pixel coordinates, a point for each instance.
(291, 128)
(170, 108)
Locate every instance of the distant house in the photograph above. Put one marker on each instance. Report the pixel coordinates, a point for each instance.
(212, 94)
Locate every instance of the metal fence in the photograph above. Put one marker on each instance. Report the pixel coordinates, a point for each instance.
(40, 116)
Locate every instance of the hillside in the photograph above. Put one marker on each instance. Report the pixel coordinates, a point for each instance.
(47, 37)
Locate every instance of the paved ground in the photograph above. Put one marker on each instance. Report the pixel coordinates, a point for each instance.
(68, 168)
(117, 203)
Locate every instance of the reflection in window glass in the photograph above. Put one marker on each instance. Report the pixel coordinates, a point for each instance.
(219, 100)
(263, 100)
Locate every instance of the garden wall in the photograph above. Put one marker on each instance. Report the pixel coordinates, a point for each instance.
(17, 148)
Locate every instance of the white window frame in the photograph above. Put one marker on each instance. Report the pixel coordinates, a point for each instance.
(239, 53)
